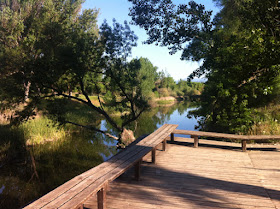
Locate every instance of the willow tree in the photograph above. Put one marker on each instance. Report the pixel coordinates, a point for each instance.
(47, 46)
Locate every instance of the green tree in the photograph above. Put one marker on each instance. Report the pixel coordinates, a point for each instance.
(238, 49)
(50, 47)
(145, 73)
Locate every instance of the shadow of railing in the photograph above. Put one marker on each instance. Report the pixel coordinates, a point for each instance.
(225, 147)
(166, 185)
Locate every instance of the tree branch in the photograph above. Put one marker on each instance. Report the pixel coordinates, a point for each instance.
(100, 110)
(135, 117)
(84, 91)
(93, 129)
(255, 76)
(125, 94)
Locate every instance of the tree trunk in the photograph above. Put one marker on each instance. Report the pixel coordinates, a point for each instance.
(26, 91)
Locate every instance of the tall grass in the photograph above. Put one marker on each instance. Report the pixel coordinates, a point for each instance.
(266, 121)
(40, 130)
(59, 153)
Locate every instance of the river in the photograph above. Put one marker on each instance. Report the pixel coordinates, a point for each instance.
(47, 166)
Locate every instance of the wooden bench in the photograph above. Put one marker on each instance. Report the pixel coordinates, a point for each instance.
(76, 191)
(243, 138)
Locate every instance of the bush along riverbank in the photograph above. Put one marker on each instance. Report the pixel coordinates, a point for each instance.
(266, 121)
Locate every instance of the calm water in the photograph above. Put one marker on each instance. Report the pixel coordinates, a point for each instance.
(23, 181)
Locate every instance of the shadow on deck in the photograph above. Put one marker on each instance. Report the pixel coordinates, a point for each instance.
(212, 176)
(226, 147)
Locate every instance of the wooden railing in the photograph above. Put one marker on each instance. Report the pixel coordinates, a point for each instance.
(242, 138)
(75, 192)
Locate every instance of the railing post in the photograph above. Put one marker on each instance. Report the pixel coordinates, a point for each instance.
(244, 142)
(154, 155)
(172, 137)
(195, 143)
(137, 170)
(101, 198)
(164, 145)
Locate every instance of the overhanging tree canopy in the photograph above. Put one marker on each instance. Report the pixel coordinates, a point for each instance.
(239, 50)
(48, 48)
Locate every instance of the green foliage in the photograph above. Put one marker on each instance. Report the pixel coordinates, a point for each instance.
(165, 102)
(41, 130)
(189, 89)
(146, 75)
(266, 120)
(238, 49)
(52, 48)
(163, 92)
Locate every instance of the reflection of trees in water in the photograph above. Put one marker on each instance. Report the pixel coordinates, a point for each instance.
(184, 106)
(152, 118)
(30, 172)
(149, 120)
(57, 162)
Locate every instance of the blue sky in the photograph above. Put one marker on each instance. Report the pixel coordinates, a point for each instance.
(159, 56)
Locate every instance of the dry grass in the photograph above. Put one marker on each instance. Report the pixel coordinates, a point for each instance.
(266, 121)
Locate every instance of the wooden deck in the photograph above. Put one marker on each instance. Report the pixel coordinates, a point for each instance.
(215, 175)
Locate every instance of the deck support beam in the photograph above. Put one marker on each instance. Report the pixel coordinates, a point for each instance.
(137, 168)
(164, 145)
(244, 145)
(195, 142)
(101, 198)
(172, 137)
(154, 155)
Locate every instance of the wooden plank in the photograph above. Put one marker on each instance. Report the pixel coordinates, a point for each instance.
(164, 145)
(98, 179)
(111, 176)
(83, 177)
(172, 137)
(101, 198)
(154, 155)
(195, 143)
(223, 179)
(243, 142)
(92, 188)
(156, 140)
(227, 136)
(137, 170)
(126, 162)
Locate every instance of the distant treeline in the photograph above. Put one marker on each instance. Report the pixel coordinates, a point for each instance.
(153, 83)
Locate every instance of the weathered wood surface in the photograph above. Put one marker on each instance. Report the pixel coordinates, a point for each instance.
(227, 136)
(217, 175)
(75, 192)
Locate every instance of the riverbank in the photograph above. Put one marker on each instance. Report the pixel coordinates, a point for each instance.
(266, 120)
(28, 172)
(163, 101)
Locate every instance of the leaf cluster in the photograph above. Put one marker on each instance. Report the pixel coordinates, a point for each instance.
(52, 48)
(238, 49)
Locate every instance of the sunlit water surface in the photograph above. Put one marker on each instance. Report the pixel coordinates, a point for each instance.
(56, 163)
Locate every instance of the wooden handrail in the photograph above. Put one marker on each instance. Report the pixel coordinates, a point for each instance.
(243, 138)
(226, 136)
(76, 191)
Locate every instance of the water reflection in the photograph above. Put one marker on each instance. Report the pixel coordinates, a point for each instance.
(36, 170)
(2, 189)
(152, 119)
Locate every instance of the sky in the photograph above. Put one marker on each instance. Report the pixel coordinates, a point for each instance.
(159, 56)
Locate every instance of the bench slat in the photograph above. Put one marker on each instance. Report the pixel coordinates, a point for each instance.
(96, 177)
(74, 202)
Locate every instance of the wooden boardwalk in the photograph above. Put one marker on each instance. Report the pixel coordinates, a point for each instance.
(215, 175)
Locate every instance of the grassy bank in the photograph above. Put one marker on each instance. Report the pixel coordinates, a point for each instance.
(266, 120)
(41, 154)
